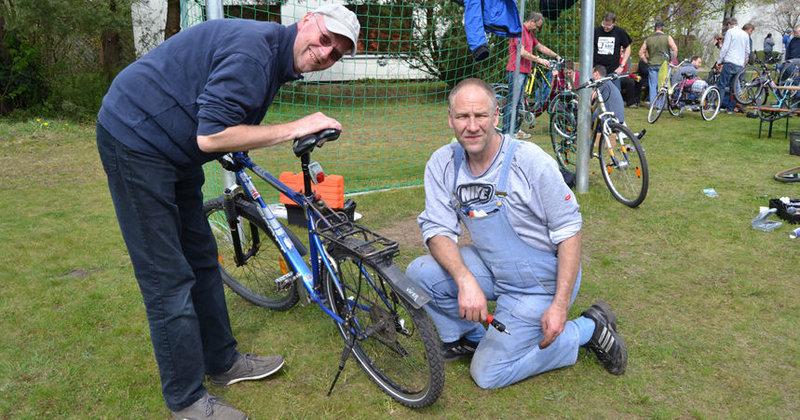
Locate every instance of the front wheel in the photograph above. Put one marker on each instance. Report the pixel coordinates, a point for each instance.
(623, 165)
(658, 104)
(395, 343)
(748, 81)
(563, 135)
(709, 103)
(264, 278)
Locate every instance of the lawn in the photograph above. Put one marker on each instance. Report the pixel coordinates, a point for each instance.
(708, 306)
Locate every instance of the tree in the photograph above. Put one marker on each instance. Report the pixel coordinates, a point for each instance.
(779, 15)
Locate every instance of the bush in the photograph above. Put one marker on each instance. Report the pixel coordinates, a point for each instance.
(77, 97)
(22, 76)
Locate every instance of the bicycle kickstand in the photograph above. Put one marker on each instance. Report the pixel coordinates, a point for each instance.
(348, 348)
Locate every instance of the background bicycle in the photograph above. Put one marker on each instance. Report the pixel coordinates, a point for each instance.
(544, 84)
(346, 269)
(621, 156)
(684, 93)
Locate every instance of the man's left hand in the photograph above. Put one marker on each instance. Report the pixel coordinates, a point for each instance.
(553, 321)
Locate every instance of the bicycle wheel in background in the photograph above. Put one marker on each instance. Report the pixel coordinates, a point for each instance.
(563, 135)
(624, 167)
(788, 175)
(709, 103)
(749, 84)
(658, 104)
(264, 279)
(501, 95)
(395, 343)
(674, 102)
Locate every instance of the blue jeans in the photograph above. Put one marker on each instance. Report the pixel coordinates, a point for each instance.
(727, 78)
(522, 80)
(652, 81)
(174, 254)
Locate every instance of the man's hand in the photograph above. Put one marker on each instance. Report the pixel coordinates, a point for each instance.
(553, 321)
(316, 122)
(472, 302)
(619, 70)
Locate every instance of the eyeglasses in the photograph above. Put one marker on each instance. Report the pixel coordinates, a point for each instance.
(326, 41)
(608, 26)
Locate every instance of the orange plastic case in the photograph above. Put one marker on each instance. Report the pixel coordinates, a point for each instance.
(331, 189)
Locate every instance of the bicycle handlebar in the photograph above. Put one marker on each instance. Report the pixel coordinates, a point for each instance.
(600, 81)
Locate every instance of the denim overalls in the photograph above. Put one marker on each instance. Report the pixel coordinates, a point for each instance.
(520, 278)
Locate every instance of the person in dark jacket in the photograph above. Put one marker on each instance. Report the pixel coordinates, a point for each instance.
(199, 94)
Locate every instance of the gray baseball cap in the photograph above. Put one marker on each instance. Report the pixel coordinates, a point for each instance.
(340, 20)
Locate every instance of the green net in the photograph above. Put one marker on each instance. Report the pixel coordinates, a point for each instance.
(390, 97)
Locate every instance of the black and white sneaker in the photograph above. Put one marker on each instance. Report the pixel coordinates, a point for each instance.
(606, 342)
(458, 349)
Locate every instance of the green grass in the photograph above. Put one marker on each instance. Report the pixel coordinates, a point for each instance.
(708, 306)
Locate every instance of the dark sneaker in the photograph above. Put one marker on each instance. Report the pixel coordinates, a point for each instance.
(210, 408)
(248, 367)
(606, 342)
(458, 349)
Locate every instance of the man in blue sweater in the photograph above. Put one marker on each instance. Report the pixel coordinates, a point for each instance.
(201, 93)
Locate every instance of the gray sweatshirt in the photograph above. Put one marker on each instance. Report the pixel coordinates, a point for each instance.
(541, 208)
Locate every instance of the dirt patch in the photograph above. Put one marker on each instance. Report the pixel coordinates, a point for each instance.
(408, 234)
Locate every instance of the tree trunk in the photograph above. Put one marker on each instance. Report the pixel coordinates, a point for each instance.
(109, 48)
(173, 18)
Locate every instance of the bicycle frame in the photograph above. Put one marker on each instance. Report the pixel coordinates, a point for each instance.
(308, 276)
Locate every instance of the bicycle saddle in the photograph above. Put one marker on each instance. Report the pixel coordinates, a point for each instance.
(306, 143)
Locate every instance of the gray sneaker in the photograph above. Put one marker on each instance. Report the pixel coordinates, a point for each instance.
(248, 367)
(208, 407)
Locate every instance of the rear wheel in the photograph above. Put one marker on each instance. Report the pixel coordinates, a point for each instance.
(624, 167)
(264, 278)
(563, 135)
(658, 104)
(395, 343)
(709, 103)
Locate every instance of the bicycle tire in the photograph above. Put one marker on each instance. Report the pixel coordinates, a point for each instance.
(501, 95)
(674, 101)
(788, 175)
(748, 82)
(626, 174)
(402, 355)
(657, 106)
(709, 103)
(256, 280)
(563, 136)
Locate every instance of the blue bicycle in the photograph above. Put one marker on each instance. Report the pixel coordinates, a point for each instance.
(349, 274)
